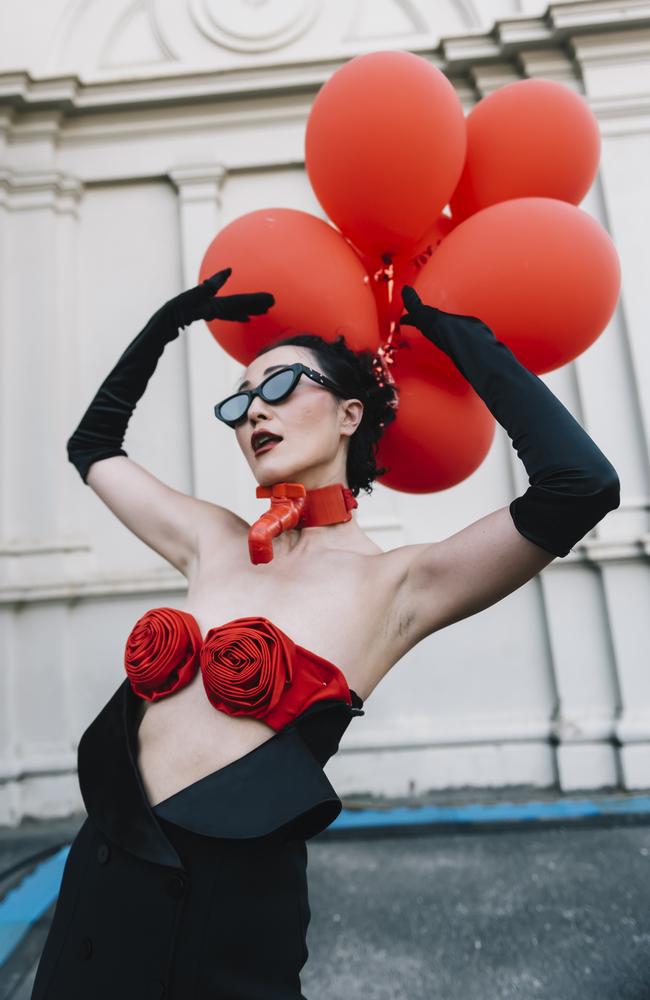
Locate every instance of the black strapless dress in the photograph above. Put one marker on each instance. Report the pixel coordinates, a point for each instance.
(204, 895)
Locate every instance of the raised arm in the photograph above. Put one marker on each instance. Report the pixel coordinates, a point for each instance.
(165, 519)
(572, 484)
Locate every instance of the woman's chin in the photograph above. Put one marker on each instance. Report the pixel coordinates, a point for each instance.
(277, 475)
(269, 471)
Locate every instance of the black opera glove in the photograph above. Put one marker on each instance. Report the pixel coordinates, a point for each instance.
(200, 303)
(102, 428)
(572, 484)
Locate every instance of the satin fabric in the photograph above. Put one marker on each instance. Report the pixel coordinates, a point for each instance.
(205, 894)
(249, 666)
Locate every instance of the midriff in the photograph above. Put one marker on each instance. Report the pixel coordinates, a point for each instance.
(183, 738)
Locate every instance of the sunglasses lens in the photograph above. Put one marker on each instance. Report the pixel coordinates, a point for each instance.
(233, 409)
(279, 384)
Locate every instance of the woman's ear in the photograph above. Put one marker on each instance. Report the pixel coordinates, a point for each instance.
(351, 415)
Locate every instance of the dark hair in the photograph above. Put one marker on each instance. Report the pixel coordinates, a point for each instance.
(353, 372)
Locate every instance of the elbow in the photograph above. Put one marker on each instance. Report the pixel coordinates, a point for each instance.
(610, 491)
(78, 459)
(600, 485)
(556, 518)
(600, 490)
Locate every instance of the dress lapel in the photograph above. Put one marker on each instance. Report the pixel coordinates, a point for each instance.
(279, 783)
(111, 786)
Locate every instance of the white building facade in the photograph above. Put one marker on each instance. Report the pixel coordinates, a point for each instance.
(130, 133)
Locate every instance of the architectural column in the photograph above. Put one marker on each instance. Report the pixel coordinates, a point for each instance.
(40, 537)
(211, 371)
(40, 217)
(616, 72)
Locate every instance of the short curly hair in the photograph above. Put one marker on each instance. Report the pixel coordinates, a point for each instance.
(353, 372)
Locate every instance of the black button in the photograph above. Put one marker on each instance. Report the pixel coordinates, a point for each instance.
(86, 948)
(176, 886)
(103, 853)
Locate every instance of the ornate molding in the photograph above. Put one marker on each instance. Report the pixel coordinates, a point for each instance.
(363, 19)
(28, 190)
(108, 588)
(254, 25)
(15, 550)
(38, 766)
(579, 30)
(201, 183)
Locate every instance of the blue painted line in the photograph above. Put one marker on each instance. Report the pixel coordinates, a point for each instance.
(24, 904)
(491, 812)
(27, 901)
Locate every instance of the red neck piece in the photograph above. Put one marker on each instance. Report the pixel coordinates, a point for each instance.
(293, 506)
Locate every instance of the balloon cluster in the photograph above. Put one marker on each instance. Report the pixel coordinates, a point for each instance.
(478, 213)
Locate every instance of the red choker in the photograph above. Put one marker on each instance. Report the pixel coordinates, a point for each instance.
(293, 506)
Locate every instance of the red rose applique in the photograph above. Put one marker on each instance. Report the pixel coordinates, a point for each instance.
(246, 664)
(162, 652)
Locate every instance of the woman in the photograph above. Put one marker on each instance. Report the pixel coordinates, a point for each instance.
(203, 775)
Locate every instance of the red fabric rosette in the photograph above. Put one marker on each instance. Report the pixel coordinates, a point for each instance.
(162, 652)
(246, 664)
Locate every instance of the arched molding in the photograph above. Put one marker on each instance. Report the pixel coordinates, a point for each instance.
(254, 25)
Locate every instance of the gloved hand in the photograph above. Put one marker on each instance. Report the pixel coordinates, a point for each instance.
(572, 484)
(101, 430)
(200, 302)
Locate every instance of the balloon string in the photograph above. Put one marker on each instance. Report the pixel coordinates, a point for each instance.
(384, 355)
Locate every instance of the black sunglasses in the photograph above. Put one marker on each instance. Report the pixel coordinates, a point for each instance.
(273, 389)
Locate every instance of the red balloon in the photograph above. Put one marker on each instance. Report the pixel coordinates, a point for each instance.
(405, 268)
(431, 240)
(432, 363)
(542, 274)
(532, 138)
(319, 284)
(439, 437)
(384, 148)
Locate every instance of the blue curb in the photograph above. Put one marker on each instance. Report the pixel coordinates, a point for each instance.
(491, 812)
(26, 902)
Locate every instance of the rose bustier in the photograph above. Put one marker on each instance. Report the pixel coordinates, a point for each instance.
(249, 666)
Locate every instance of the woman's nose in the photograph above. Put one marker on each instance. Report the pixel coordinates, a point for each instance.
(258, 406)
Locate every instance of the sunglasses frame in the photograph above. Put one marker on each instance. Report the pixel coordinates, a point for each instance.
(298, 370)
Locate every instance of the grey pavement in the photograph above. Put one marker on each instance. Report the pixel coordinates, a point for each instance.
(546, 911)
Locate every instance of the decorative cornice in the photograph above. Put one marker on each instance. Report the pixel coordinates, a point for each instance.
(38, 189)
(199, 183)
(165, 581)
(613, 24)
(222, 24)
(633, 727)
(599, 552)
(40, 548)
(36, 765)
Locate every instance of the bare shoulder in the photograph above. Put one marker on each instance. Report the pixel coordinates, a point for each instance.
(416, 590)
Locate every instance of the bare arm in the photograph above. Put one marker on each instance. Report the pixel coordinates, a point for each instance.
(455, 578)
(168, 521)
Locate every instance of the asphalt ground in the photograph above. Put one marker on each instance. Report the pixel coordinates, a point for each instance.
(546, 910)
